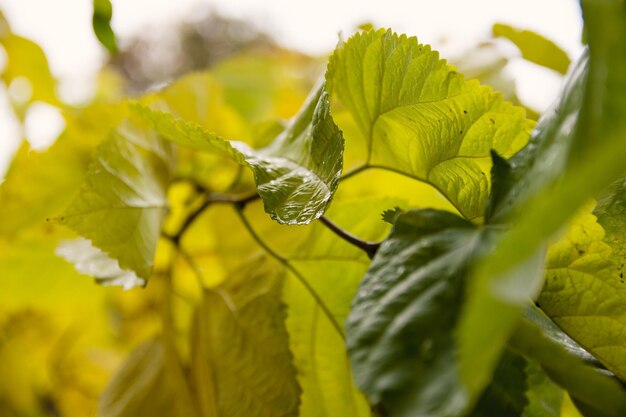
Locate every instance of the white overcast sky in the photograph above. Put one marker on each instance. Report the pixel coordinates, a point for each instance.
(63, 29)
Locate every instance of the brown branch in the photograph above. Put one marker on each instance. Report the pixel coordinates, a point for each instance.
(370, 248)
(210, 199)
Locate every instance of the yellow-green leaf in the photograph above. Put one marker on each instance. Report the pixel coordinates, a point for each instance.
(611, 213)
(39, 184)
(594, 147)
(268, 84)
(27, 64)
(584, 293)
(91, 261)
(296, 175)
(320, 356)
(417, 116)
(534, 47)
(123, 200)
(568, 365)
(144, 386)
(241, 364)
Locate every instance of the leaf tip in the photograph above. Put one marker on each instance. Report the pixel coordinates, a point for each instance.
(391, 215)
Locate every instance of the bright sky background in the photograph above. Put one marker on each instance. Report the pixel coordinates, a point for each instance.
(63, 29)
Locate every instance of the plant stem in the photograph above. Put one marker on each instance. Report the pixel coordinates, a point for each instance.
(290, 267)
(210, 199)
(192, 264)
(354, 171)
(380, 411)
(370, 248)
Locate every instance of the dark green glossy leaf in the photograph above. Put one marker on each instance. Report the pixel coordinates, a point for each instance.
(296, 175)
(500, 183)
(603, 122)
(519, 388)
(595, 159)
(611, 214)
(497, 298)
(569, 365)
(545, 156)
(400, 330)
(391, 215)
(123, 201)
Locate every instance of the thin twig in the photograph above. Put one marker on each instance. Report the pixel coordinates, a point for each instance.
(210, 199)
(290, 267)
(354, 171)
(379, 411)
(369, 248)
(192, 264)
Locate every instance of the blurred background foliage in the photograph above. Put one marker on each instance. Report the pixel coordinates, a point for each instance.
(61, 337)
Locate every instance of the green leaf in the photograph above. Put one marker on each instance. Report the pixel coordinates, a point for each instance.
(330, 266)
(603, 125)
(59, 290)
(611, 214)
(545, 398)
(595, 159)
(296, 175)
(319, 351)
(26, 60)
(519, 389)
(546, 155)
(333, 268)
(401, 327)
(486, 61)
(501, 172)
(267, 84)
(40, 184)
(327, 266)
(201, 98)
(91, 261)
(534, 47)
(143, 387)
(101, 20)
(507, 280)
(539, 339)
(390, 215)
(251, 374)
(123, 201)
(417, 116)
(584, 293)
